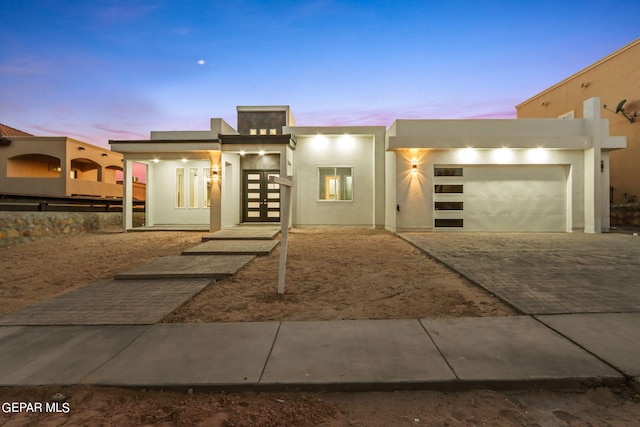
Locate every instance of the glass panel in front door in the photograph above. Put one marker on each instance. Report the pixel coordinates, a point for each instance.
(259, 197)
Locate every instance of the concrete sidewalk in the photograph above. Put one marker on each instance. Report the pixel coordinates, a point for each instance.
(445, 354)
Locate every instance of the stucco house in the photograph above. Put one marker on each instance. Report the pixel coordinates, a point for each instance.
(613, 79)
(543, 175)
(56, 166)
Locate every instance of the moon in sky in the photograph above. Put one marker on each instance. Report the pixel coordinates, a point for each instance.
(201, 62)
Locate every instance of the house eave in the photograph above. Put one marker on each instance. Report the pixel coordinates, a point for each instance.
(284, 139)
(164, 146)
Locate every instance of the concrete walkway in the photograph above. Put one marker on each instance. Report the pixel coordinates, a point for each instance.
(447, 354)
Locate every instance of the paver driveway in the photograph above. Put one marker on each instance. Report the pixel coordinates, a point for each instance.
(545, 273)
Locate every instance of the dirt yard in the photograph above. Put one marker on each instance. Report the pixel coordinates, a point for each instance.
(342, 274)
(113, 407)
(332, 275)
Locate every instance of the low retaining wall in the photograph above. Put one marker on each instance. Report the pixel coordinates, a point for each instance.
(18, 227)
(625, 214)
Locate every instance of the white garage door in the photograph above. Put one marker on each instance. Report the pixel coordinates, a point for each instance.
(501, 198)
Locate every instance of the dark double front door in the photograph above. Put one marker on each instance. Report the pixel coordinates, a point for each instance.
(261, 199)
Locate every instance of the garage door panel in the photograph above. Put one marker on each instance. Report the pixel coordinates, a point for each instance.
(514, 198)
(533, 223)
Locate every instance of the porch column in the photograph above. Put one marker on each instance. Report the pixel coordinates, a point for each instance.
(215, 210)
(127, 195)
(592, 174)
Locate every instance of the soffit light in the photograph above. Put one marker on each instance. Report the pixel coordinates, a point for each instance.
(537, 155)
(502, 155)
(468, 154)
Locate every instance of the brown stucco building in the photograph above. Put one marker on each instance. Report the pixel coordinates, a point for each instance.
(613, 79)
(56, 166)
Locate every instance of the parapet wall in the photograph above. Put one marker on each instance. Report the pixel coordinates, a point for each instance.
(19, 227)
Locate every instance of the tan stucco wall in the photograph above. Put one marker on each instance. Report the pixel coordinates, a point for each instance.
(612, 79)
(28, 172)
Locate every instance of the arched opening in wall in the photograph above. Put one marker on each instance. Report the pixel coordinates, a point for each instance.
(112, 174)
(33, 166)
(139, 181)
(86, 170)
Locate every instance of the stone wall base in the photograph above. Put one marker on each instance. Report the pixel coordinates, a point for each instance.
(625, 214)
(19, 227)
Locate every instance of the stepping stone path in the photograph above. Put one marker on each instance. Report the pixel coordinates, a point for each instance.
(145, 294)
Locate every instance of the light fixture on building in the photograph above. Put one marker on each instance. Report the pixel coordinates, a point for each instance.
(537, 155)
(215, 175)
(414, 167)
(620, 109)
(502, 155)
(81, 148)
(242, 152)
(467, 155)
(156, 160)
(261, 152)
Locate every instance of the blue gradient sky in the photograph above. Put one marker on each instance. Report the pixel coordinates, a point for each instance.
(100, 70)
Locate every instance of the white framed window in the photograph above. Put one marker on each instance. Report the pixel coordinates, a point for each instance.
(569, 115)
(206, 173)
(273, 132)
(263, 131)
(193, 187)
(253, 131)
(180, 188)
(335, 183)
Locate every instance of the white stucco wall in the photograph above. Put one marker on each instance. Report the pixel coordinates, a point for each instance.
(231, 189)
(352, 151)
(414, 193)
(390, 191)
(163, 208)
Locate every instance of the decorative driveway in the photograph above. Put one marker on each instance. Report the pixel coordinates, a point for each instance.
(545, 273)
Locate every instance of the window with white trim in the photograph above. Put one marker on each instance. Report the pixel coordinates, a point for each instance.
(180, 188)
(335, 183)
(193, 187)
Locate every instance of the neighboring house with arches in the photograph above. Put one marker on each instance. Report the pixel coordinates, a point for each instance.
(56, 166)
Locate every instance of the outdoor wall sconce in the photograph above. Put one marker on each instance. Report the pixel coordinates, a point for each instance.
(620, 109)
(81, 148)
(214, 174)
(414, 167)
